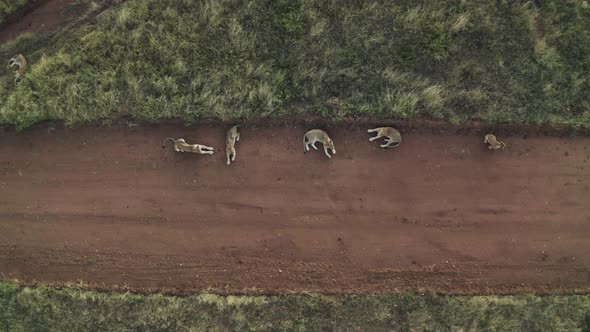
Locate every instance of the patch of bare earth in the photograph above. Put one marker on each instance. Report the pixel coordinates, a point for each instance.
(49, 15)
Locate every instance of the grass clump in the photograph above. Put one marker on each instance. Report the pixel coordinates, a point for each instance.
(497, 61)
(35, 309)
(8, 7)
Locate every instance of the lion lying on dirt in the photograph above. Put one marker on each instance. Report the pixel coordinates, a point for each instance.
(393, 137)
(180, 145)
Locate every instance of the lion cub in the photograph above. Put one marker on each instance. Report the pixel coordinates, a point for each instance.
(20, 61)
(494, 143)
(392, 136)
(232, 136)
(180, 145)
(318, 135)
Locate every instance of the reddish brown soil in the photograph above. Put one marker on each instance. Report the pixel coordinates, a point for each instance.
(109, 208)
(49, 15)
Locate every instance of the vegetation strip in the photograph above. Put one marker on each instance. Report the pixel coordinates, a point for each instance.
(31, 309)
(10, 7)
(498, 61)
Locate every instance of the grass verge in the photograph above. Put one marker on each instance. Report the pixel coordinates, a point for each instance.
(9, 7)
(35, 309)
(497, 61)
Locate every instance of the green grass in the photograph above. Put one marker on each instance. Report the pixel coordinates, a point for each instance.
(496, 61)
(46, 309)
(8, 7)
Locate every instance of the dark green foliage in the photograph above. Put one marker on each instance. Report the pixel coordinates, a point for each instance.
(8, 7)
(498, 61)
(45, 309)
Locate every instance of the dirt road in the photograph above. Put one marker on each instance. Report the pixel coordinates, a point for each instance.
(109, 208)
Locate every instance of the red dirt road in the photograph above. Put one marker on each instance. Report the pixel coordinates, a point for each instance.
(109, 208)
